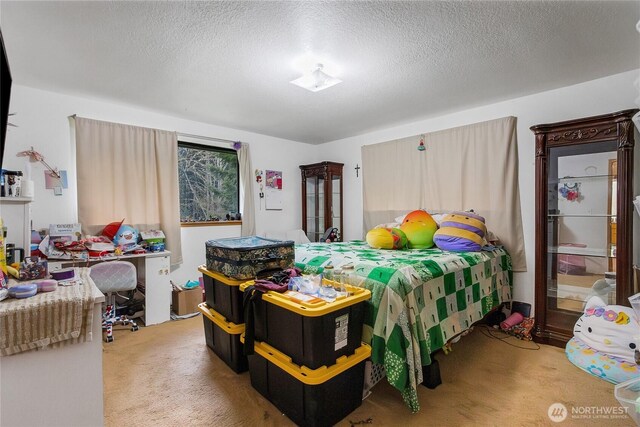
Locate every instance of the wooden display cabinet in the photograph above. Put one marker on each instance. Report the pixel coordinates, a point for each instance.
(584, 219)
(321, 199)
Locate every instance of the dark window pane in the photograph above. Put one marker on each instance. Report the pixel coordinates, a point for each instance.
(208, 180)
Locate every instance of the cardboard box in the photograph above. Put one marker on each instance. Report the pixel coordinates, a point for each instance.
(64, 232)
(186, 302)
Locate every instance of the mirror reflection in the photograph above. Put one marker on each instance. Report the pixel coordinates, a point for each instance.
(582, 234)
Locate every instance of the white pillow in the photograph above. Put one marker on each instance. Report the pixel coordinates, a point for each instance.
(400, 218)
(438, 218)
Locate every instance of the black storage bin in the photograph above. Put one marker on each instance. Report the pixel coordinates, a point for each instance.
(314, 333)
(224, 338)
(314, 398)
(249, 257)
(223, 294)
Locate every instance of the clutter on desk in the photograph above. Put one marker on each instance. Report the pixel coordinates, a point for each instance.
(99, 246)
(12, 271)
(36, 238)
(126, 236)
(65, 242)
(76, 280)
(64, 274)
(126, 240)
(34, 270)
(23, 291)
(65, 232)
(31, 268)
(153, 240)
(47, 285)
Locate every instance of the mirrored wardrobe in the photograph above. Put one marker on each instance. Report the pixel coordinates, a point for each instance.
(584, 219)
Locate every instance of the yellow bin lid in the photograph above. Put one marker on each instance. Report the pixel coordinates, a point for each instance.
(304, 374)
(310, 306)
(220, 277)
(219, 319)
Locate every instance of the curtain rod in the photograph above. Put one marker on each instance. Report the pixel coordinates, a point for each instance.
(206, 138)
(189, 135)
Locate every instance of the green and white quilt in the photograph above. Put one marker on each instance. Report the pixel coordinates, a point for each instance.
(420, 299)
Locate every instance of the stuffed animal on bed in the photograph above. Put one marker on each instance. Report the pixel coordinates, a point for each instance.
(416, 232)
(387, 238)
(419, 227)
(461, 232)
(606, 342)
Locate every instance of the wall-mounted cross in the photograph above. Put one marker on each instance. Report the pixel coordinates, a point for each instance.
(357, 168)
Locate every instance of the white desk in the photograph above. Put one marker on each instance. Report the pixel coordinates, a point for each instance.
(55, 387)
(153, 270)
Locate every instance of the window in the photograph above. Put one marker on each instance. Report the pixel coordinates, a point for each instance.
(209, 182)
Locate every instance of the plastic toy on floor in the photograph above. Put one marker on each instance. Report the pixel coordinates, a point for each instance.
(109, 319)
(606, 342)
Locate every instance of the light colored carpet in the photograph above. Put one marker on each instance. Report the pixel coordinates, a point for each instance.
(165, 375)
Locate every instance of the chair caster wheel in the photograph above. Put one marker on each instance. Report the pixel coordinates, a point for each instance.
(109, 339)
(134, 328)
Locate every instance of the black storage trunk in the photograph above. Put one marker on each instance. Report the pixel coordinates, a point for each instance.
(310, 341)
(298, 393)
(224, 339)
(249, 257)
(223, 295)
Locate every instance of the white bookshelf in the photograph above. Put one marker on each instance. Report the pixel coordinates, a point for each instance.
(16, 216)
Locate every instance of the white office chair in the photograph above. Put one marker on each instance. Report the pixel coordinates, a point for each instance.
(112, 277)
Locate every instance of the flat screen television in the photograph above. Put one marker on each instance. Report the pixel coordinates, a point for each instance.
(5, 95)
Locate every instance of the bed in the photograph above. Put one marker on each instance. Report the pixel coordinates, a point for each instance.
(421, 299)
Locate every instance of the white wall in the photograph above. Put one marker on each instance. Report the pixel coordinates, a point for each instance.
(600, 96)
(43, 123)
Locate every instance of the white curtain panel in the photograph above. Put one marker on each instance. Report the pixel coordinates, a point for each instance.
(128, 172)
(468, 167)
(246, 182)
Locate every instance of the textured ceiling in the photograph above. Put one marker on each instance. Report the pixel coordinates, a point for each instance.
(230, 63)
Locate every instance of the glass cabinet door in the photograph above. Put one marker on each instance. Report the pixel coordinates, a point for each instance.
(321, 199)
(336, 198)
(315, 207)
(581, 229)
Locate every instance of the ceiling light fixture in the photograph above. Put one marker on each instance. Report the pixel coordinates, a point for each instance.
(316, 80)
